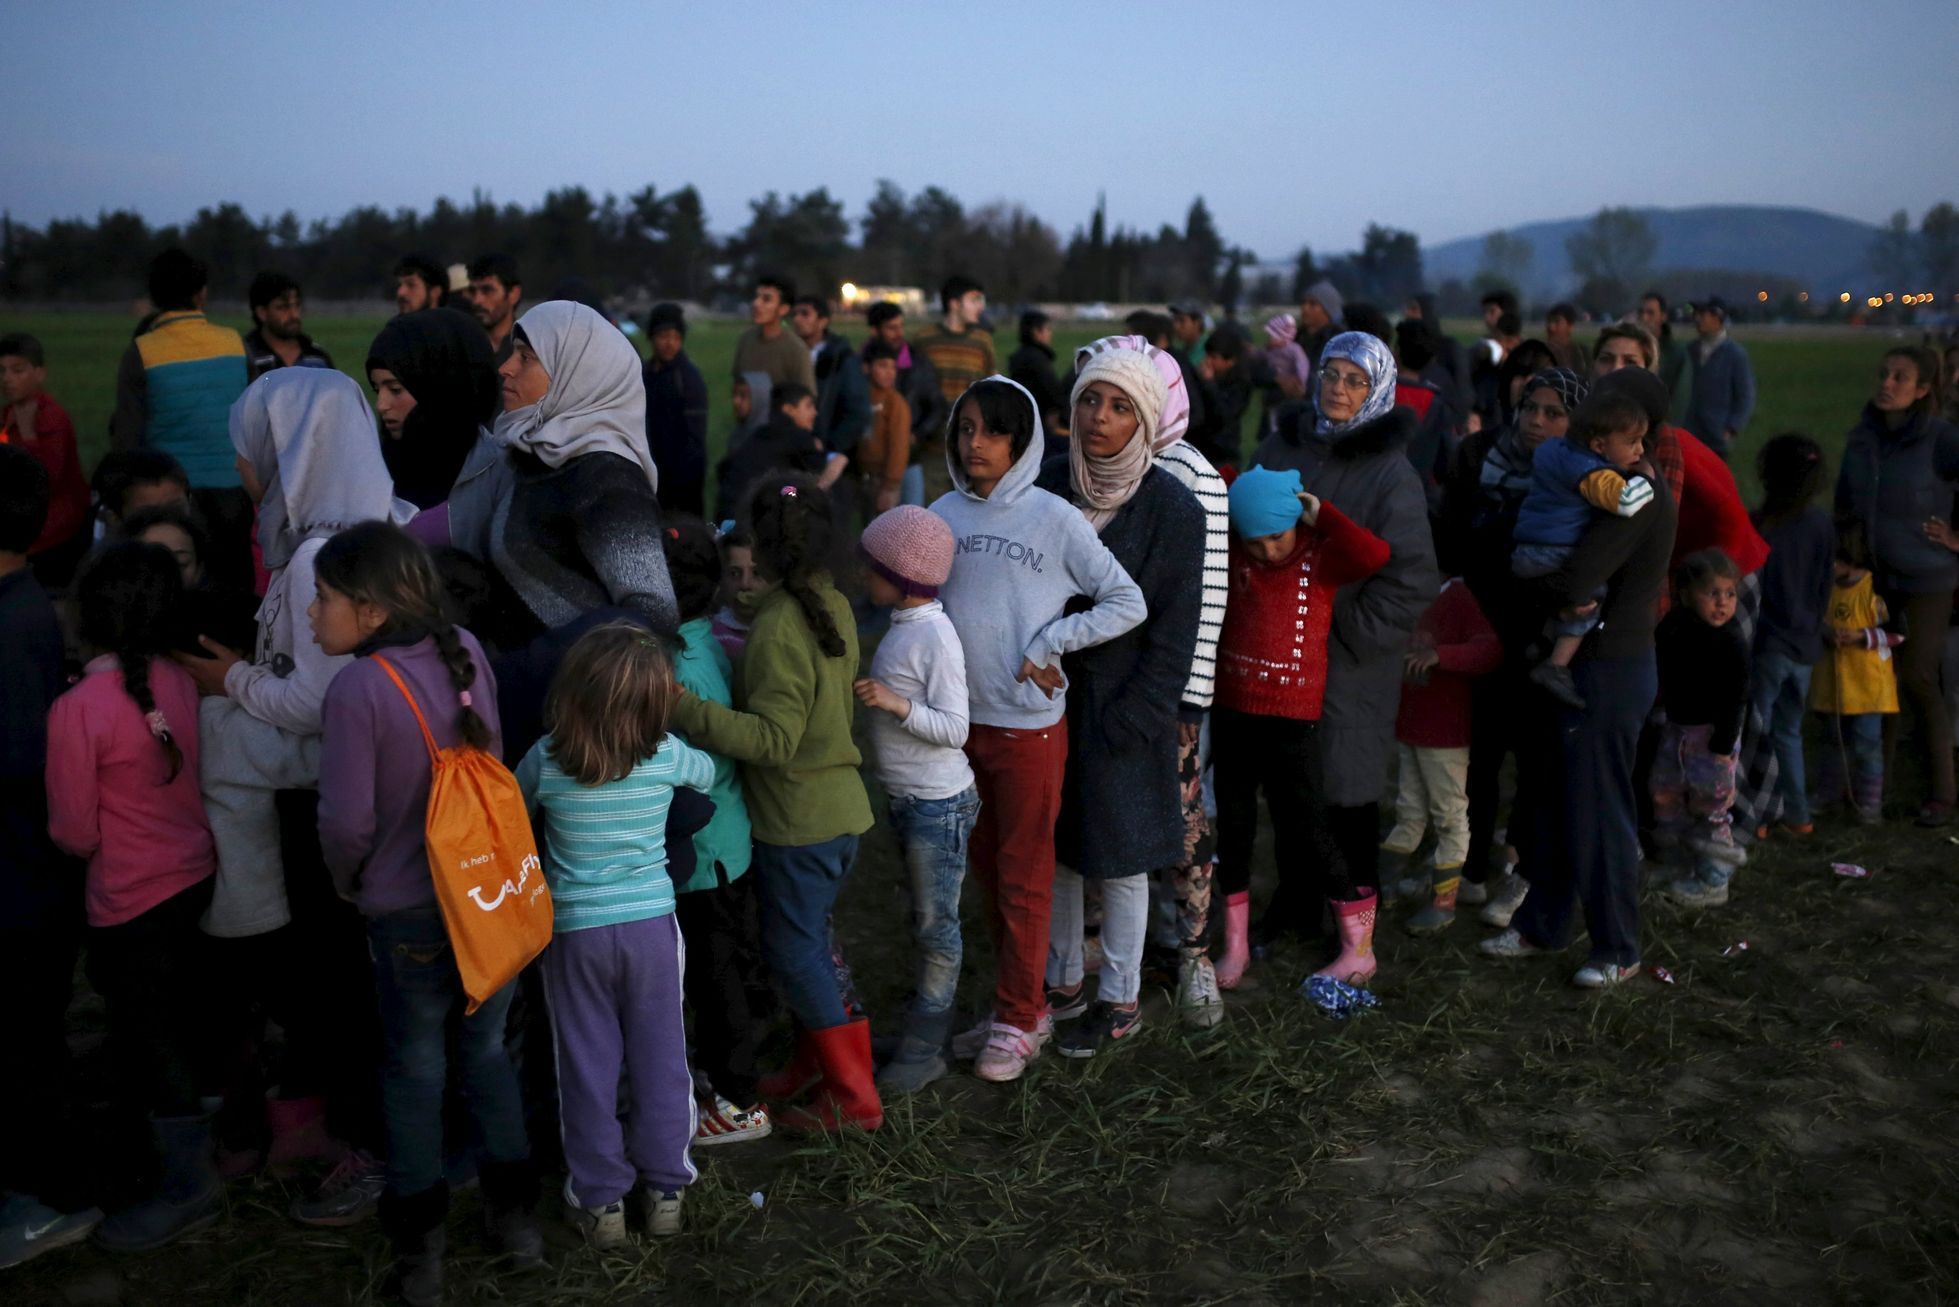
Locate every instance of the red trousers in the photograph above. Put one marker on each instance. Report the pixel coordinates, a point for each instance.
(1018, 775)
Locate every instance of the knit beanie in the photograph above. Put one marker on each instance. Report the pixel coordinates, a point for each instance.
(1175, 422)
(1134, 374)
(1329, 298)
(1283, 328)
(666, 314)
(1265, 502)
(911, 547)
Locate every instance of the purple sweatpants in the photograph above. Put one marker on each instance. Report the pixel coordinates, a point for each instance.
(614, 993)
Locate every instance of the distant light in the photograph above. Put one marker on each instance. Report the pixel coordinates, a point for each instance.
(1889, 296)
(1875, 302)
(1803, 297)
(849, 291)
(1762, 295)
(1844, 298)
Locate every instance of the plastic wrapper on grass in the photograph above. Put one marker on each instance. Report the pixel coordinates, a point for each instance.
(1336, 998)
(1851, 870)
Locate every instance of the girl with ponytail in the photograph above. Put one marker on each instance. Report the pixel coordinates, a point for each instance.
(806, 802)
(122, 792)
(377, 592)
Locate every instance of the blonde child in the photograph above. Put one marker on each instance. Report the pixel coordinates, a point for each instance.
(1855, 685)
(599, 787)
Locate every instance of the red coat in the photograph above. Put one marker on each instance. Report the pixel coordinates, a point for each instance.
(53, 444)
(1272, 652)
(1435, 715)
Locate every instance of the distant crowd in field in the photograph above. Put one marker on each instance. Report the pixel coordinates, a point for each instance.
(425, 776)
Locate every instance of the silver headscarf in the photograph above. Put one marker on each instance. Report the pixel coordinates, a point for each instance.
(309, 436)
(1370, 356)
(596, 403)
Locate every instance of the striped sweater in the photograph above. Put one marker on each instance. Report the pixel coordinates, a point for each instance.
(605, 846)
(1183, 462)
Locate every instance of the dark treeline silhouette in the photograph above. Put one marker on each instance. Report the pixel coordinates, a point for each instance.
(658, 243)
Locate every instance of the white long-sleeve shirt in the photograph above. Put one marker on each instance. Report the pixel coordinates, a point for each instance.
(920, 658)
(286, 681)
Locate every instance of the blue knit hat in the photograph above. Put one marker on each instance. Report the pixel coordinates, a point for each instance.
(1264, 502)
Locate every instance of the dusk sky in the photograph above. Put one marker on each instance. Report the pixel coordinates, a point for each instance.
(1297, 122)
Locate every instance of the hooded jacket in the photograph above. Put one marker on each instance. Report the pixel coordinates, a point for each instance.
(444, 359)
(843, 396)
(1894, 481)
(1020, 555)
(1365, 473)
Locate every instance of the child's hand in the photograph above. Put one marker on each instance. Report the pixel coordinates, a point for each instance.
(209, 669)
(873, 693)
(887, 499)
(1577, 611)
(1418, 664)
(1940, 532)
(1309, 508)
(1048, 678)
(1843, 639)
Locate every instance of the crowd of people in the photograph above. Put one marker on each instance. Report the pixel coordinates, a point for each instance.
(1104, 624)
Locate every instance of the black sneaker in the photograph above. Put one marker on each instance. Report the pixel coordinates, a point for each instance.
(1067, 1002)
(1101, 1026)
(1556, 681)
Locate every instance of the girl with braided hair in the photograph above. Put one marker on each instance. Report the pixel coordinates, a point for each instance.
(122, 792)
(806, 802)
(377, 593)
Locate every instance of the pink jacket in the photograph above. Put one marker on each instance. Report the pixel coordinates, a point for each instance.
(146, 839)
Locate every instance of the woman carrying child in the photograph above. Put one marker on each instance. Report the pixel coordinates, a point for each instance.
(378, 604)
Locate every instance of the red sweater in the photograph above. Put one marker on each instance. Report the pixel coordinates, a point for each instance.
(53, 443)
(1435, 715)
(1272, 653)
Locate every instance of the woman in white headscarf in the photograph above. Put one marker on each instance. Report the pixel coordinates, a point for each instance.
(561, 499)
(1354, 456)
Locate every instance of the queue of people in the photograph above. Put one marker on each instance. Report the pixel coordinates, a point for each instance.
(282, 597)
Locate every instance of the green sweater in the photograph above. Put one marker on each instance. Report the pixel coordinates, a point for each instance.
(793, 731)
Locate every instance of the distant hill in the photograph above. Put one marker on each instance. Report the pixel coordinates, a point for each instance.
(1818, 249)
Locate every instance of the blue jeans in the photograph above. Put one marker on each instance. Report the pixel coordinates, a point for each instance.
(911, 488)
(421, 995)
(1860, 739)
(800, 884)
(934, 833)
(1781, 700)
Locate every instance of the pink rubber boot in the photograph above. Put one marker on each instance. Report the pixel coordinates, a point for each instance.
(1237, 939)
(1356, 963)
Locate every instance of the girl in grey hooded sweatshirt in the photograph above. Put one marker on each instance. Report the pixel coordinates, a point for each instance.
(1020, 556)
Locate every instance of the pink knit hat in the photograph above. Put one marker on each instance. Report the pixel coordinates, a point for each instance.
(911, 547)
(1283, 328)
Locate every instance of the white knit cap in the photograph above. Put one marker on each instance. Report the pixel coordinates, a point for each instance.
(1135, 376)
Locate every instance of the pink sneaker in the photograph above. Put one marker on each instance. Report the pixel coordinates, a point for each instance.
(1008, 1051)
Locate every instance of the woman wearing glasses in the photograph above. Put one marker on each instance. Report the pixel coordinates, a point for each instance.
(1354, 457)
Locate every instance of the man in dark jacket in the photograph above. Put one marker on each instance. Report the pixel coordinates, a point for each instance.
(1719, 380)
(277, 341)
(676, 412)
(1032, 365)
(843, 397)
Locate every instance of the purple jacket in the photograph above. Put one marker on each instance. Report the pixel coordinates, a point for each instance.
(374, 771)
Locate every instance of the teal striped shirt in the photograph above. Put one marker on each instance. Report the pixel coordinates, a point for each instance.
(605, 846)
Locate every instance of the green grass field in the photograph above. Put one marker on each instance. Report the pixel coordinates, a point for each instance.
(1813, 380)
(1774, 1123)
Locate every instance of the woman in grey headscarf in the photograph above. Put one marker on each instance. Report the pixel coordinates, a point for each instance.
(1354, 458)
(560, 499)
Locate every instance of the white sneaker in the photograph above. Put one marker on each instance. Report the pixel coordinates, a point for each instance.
(1198, 1002)
(603, 1227)
(1693, 892)
(1008, 1051)
(967, 1044)
(663, 1212)
(1600, 975)
(1510, 944)
(1505, 897)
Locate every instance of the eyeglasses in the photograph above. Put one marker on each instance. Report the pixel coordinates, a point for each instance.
(1549, 412)
(1331, 380)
